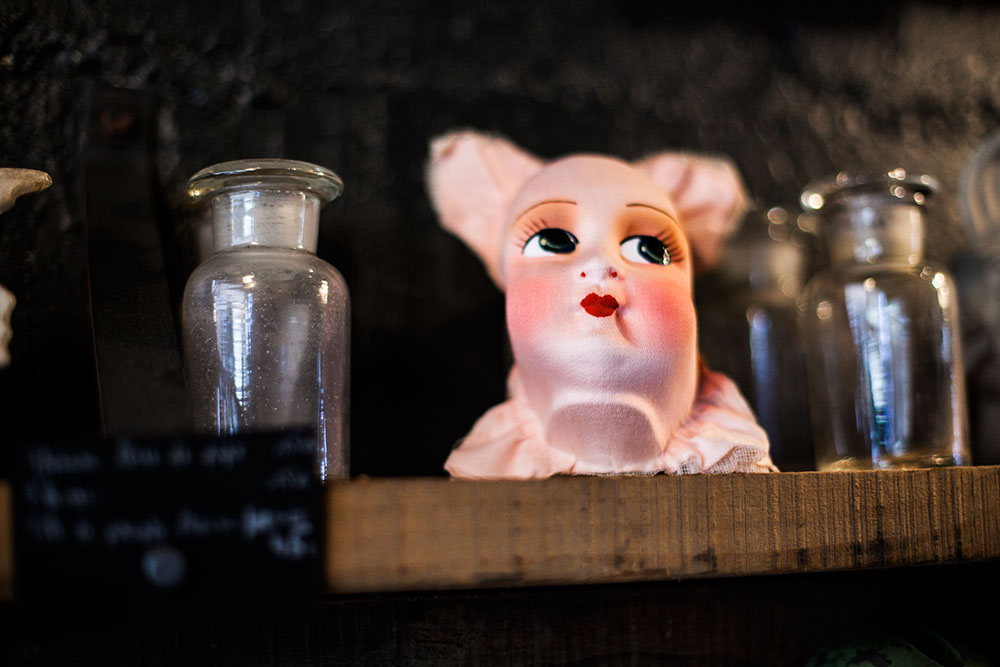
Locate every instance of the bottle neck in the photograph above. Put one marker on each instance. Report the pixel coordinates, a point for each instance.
(868, 233)
(270, 218)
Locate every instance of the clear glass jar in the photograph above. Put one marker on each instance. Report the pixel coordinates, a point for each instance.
(265, 321)
(881, 326)
(749, 328)
(977, 271)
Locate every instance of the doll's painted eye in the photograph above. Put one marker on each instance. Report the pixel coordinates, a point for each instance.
(645, 249)
(550, 241)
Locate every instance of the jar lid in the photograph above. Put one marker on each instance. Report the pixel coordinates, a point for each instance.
(246, 174)
(895, 182)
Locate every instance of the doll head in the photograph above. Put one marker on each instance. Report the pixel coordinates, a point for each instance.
(596, 257)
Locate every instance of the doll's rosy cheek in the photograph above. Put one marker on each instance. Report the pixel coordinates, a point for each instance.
(666, 313)
(531, 303)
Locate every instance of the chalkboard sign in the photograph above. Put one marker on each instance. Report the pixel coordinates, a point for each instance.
(160, 521)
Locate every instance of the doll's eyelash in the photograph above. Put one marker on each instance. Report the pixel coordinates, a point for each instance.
(534, 225)
(672, 245)
(529, 229)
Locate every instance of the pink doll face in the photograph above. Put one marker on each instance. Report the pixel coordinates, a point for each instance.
(599, 311)
(596, 253)
(597, 274)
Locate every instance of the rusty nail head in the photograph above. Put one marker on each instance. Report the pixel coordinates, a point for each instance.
(117, 122)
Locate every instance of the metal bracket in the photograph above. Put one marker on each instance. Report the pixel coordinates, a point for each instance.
(140, 372)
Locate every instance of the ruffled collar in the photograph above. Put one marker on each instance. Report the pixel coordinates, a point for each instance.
(720, 435)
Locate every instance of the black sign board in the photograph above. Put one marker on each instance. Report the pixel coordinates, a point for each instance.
(158, 521)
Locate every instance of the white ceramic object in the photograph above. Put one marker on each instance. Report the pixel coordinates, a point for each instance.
(13, 184)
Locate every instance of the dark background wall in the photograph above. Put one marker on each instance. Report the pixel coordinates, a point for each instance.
(791, 92)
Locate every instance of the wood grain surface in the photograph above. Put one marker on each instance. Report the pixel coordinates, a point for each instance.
(397, 534)
(427, 534)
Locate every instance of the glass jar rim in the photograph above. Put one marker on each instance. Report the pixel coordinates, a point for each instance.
(268, 172)
(818, 194)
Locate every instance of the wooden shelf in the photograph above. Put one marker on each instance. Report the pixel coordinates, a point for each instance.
(436, 533)
(421, 534)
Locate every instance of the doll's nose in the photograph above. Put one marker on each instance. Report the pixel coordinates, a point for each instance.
(602, 271)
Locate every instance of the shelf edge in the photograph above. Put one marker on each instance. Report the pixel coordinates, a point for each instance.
(436, 533)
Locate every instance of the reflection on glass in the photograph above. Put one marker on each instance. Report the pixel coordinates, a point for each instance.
(886, 378)
(265, 320)
(749, 330)
(977, 272)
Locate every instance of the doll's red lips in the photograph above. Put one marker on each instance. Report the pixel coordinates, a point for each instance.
(599, 306)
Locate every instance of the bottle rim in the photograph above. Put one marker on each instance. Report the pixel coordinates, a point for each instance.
(265, 173)
(897, 182)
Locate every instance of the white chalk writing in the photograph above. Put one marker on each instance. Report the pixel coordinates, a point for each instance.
(129, 456)
(289, 477)
(179, 456)
(44, 460)
(226, 456)
(293, 445)
(286, 529)
(47, 528)
(191, 523)
(140, 532)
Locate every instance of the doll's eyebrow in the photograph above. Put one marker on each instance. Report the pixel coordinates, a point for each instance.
(653, 208)
(542, 203)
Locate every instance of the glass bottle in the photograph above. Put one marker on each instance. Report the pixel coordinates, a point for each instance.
(886, 380)
(749, 328)
(977, 271)
(265, 321)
